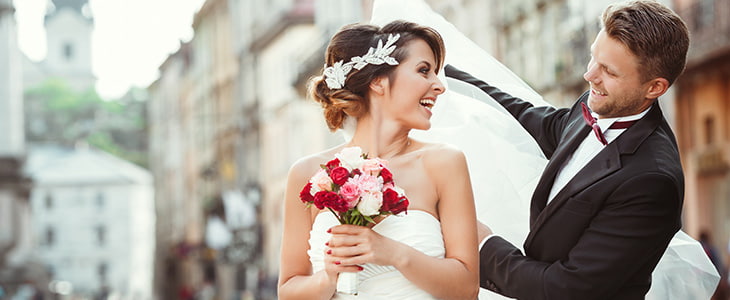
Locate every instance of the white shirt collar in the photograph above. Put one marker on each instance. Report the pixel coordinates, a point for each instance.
(607, 122)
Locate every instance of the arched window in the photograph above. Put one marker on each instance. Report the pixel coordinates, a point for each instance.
(68, 51)
(709, 130)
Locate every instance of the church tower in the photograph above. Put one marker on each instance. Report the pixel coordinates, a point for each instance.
(69, 25)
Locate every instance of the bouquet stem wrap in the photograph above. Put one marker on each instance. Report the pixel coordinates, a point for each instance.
(347, 283)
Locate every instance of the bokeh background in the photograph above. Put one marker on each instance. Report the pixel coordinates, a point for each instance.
(144, 145)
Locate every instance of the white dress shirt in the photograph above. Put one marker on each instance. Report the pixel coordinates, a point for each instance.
(587, 150)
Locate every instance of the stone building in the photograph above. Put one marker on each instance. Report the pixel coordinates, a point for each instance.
(16, 262)
(93, 221)
(703, 126)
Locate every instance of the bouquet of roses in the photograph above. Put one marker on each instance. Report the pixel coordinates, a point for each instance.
(355, 189)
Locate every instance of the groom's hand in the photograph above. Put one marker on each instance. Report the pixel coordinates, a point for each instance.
(483, 230)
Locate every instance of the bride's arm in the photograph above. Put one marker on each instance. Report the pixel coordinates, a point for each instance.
(457, 276)
(296, 280)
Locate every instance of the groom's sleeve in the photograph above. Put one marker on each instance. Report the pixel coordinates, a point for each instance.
(545, 123)
(503, 269)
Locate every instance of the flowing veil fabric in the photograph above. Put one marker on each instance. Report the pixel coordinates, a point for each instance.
(505, 163)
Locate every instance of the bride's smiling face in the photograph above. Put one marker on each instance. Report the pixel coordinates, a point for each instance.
(413, 87)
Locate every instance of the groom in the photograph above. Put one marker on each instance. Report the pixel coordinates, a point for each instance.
(610, 197)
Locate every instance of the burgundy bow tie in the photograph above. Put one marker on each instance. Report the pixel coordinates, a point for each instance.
(591, 121)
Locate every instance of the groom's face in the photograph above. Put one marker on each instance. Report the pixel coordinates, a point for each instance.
(617, 88)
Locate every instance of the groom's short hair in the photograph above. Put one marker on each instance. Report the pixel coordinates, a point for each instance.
(653, 32)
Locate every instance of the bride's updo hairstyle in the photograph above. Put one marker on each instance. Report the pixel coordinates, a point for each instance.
(355, 40)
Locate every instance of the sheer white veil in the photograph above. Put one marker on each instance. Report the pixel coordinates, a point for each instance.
(505, 163)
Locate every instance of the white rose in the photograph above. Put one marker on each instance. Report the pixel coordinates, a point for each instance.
(351, 158)
(370, 204)
(320, 182)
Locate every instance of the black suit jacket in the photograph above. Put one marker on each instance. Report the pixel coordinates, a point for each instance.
(603, 234)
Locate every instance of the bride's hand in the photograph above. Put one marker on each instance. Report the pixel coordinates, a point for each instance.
(356, 245)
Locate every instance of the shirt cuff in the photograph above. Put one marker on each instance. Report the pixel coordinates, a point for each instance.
(481, 244)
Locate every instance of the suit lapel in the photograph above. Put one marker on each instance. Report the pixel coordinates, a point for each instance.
(577, 131)
(604, 164)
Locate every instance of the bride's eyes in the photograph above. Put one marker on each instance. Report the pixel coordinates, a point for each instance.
(424, 70)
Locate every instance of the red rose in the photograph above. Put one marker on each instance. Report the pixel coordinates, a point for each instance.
(401, 206)
(306, 194)
(390, 200)
(324, 199)
(333, 164)
(394, 203)
(339, 175)
(387, 176)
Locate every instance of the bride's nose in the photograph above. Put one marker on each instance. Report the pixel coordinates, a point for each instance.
(438, 86)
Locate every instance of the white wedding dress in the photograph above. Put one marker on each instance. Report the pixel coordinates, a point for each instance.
(416, 228)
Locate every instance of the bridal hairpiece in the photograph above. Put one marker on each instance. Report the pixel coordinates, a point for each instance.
(336, 74)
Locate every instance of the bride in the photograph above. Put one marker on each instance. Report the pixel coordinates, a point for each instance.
(385, 79)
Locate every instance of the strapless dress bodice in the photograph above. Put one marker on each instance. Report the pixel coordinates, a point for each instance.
(417, 229)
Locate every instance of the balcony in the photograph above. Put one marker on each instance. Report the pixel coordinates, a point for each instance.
(709, 28)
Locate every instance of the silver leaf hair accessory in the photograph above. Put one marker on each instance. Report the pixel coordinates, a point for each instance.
(336, 74)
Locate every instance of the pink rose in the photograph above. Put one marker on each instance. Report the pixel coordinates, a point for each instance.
(371, 166)
(351, 193)
(368, 183)
(339, 175)
(321, 182)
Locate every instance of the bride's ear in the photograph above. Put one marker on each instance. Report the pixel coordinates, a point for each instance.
(379, 85)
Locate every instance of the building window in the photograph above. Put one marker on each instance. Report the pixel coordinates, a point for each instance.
(102, 270)
(100, 200)
(709, 130)
(68, 51)
(49, 201)
(50, 236)
(101, 235)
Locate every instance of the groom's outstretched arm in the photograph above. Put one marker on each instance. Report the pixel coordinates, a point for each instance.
(545, 123)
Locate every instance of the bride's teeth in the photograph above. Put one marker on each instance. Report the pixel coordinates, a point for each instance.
(428, 103)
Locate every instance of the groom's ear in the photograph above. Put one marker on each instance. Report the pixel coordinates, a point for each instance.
(379, 85)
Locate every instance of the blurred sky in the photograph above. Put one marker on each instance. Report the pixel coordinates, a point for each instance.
(130, 41)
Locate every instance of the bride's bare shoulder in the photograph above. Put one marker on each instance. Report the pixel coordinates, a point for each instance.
(440, 149)
(438, 155)
(306, 166)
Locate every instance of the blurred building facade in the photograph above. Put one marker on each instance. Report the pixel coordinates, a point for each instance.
(93, 222)
(703, 129)
(16, 261)
(233, 130)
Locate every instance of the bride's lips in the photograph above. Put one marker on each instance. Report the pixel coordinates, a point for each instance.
(428, 103)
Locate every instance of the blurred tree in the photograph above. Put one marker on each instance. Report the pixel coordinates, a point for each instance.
(57, 114)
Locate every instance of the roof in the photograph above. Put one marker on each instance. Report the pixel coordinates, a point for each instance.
(82, 165)
(74, 4)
